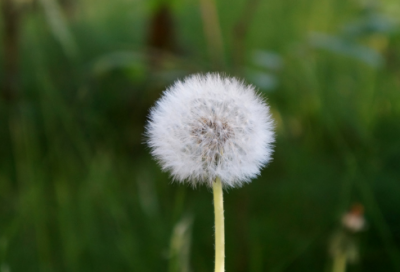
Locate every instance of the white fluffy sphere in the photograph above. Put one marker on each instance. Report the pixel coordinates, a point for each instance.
(209, 126)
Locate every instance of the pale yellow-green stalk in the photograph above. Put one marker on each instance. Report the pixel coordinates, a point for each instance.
(219, 226)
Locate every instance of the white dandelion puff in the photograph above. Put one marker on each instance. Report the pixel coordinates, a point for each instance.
(210, 126)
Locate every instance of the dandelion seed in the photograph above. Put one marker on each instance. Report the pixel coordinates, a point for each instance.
(209, 126)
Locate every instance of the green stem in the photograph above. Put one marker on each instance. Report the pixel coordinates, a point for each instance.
(219, 226)
(339, 263)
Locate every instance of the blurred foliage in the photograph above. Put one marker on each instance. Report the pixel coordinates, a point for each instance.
(80, 192)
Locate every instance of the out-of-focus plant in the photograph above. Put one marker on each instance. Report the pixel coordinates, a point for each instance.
(362, 39)
(266, 66)
(344, 246)
(179, 252)
(59, 27)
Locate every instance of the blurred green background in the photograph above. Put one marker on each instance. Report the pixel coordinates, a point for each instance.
(79, 190)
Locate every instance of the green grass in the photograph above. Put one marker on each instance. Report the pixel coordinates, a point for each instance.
(80, 192)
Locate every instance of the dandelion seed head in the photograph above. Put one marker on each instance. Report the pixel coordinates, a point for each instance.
(209, 126)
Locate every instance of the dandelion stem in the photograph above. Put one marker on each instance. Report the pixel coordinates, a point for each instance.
(339, 263)
(219, 226)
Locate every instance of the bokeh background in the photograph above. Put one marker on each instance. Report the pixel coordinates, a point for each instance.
(79, 190)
